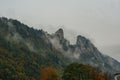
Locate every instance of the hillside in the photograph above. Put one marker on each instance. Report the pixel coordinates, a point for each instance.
(24, 51)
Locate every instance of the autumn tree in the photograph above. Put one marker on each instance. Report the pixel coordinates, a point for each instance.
(77, 71)
(49, 73)
(101, 77)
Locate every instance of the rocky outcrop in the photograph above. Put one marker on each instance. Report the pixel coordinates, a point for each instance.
(60, 34)
(83, 51)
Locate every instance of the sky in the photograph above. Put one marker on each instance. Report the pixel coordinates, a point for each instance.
(98, 20)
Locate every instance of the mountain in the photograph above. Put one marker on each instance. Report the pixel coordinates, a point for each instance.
(24, 51)
(84, 52)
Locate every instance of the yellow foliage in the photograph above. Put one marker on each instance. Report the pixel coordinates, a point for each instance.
(49, 74)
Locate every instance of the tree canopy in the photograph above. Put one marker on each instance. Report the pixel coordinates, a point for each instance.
(49, 73)
(77, 71)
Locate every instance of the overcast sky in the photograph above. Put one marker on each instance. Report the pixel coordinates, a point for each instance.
(98, 20)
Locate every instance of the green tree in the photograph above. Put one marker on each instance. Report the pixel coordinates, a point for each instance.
(77, 71)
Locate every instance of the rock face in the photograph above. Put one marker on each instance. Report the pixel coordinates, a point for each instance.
(62, 52)
(60, 34)
(86, 53)
(83, 43)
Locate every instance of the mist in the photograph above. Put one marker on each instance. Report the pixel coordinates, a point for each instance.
(97, 20)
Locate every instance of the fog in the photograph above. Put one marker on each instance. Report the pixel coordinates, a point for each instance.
(98, 20)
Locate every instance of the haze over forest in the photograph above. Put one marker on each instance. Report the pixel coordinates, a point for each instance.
(96, 19)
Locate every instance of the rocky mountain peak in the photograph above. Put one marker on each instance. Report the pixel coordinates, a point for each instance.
(29, 40)
(60, 33)
(82, 42)
(3, 19)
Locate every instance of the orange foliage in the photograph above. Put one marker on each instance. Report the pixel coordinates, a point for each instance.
(49, 74)
(100, 77)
